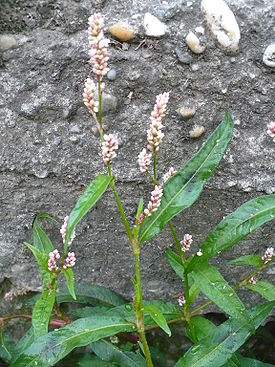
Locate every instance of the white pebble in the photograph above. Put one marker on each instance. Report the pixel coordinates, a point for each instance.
(222, 23)
(269, 56)
(197, 131)
(200, 30)
(153, 27)
(194, 44)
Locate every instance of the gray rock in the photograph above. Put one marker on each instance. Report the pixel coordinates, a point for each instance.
(183, 56)
(269, 56)
(7, 41)
(111, 75)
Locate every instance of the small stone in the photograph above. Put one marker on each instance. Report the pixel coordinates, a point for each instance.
(109, 103)
(269, 56)
(183, 56)
(195, 67)
(153, 26)
(194, 44)
(74, 139)
(222, 24)
(7, 42)
(197, 131)
(75, 129)
(187, 112)
(57, 140)
(41, 174)
(122, 31)
(111, 75)
(200, 30)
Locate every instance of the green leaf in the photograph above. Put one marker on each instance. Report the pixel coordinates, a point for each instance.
(92, 294)
(219, 345)
(23, 344)
(42, 311)
(248, 362)
(158, 317)
(169, 310)
(89, 311)
(216, 288)
(265, 289)
(69, 275)
(7, 346)
(110, 353)
(40, 238)
(253, 260)
(42, 261)
(94, 361)
(50, 348)
(175, 262)
(233, 228)
(87, 200)
(183, 189)
(201, 327)
(139, 209)
(194, 290)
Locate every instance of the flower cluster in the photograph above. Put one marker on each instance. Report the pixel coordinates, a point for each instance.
(70, 260)
(98, 52)
(154, 203)
(181, 300)
(271, 130)
(14, 292)
(144, 160)
(186, 242)
(253, 280)
(89, 96)
(169, 174)
(109, 146)
(269, 253)
(154, 133)
(63, 232)
(54, 256)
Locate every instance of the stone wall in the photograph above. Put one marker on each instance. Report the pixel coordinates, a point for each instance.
(50, 152)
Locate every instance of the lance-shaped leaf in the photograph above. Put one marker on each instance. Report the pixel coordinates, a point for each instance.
(42, 311)
(7, 347)
(183, 189)
(252, 260)
(233, 228)
(265, 289)
(219, 345)
(216, 288)
(158, 317)
(48, 349)
(110, 353)
(69, 275)
(40, 238)
(85, 203)
(23, 344)
(248, 362)
(42, 261)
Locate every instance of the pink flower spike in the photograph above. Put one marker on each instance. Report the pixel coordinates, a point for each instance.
(109, 146)
(253, 280)
(186, 242)
(271, 130)
(269, 253)
(181, 300)
(144, 160)
(154, 203)
(70, 260)
(54, 256)
(63, 232)
(89, 96)
(154, 133)
(168, 174)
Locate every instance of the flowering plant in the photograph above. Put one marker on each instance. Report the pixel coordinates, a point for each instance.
(111, 314)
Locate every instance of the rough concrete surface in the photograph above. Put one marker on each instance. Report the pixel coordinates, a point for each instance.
(49, 152)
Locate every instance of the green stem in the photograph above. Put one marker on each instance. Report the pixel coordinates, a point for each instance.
(120, 207)
(177, 242)
(139, 308)
(155, 168)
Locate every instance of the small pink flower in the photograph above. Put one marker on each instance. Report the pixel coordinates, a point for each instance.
(181, 300)
(144, 160)
(54, 256)
(63, 232)
(154, 203)
(269, 253)
(154, 133)
(70, 260)
(168, 174)
(109, 146)
(89, 96)
(253, 280)
(199, 253)
(271, 130)
(186, 242)
(140, 219)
